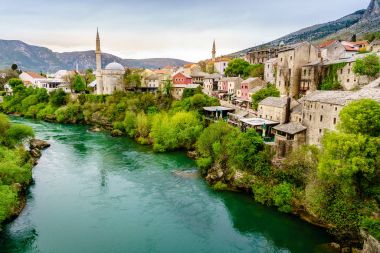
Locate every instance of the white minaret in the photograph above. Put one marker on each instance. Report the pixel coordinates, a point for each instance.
(98, 53)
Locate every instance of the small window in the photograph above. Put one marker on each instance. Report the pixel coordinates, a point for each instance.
(310, 117)
(348, 80)
(320, 131)
(321, 119)
(334, 121)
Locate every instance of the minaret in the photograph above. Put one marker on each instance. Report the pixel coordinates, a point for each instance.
(98, 52)
(98, 72)
(213, 51)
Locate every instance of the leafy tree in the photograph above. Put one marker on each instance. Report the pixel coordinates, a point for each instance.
(269, 91)
(18, 133)
(167, 88)
(89, 76)
(16, 84)
(78, 84)
(238, 67)
(256, 70)
(368, 66)
(58, 98)
(282, 196)
(133, 80)
(14, 67)
(361, 117)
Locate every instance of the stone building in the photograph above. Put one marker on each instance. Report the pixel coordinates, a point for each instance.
(289, 137)
(375, 46)
(260, 56)
(311, 77)
(234, 84)
(291, 59)
(270, 70)
(275, 109)
(210, 85)
(111, 78)
(248, 85)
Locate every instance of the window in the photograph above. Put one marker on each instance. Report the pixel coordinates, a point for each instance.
(336, 108)
(291, 57)
(320, 131)
(334, 121)
(349, 71)
(341, 71)
(348, 80)
(310, 117)
(304, 72)
(321, 119)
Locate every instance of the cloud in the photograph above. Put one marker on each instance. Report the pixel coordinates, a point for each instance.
(166, 28)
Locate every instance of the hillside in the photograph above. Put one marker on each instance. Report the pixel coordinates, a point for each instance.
(359, 23)
(29, 57)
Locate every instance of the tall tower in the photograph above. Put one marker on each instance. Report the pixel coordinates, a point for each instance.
(98, 72)
(213, 51)
(98, 52)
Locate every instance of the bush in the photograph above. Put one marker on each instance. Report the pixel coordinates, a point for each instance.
(219, 186)
(269, 91)
(282, 196)
(70, 113)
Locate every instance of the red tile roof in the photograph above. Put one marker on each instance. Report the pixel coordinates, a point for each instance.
(326, 43)
(34, 75)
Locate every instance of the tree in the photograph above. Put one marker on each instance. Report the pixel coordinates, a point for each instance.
(16, 84)
(353, 38)
(167, 88)
(14, 67)
(368, 66)
(133, 80)
(361, 117)
(58, 98)
(18, 133)
(78, 84)
(256, 70)
(269, 91)
(89, 76)
(237, 67)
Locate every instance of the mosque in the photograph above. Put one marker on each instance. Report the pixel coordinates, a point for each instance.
(111, 78)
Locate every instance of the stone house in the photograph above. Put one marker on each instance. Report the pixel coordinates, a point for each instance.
(210, 85)
(152, 82)
(248, 85)
(375, 46)
(223, 85)
(234, 84)
(260, 56)
(291, 59)
(289, 137)
(181, 78)
(311, 77)
(275, 109)
(221, 64)
(177, 90)
(270, 70)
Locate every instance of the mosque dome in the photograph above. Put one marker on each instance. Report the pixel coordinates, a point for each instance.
(115, 66)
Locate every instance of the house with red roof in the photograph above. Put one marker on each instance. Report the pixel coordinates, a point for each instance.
(181, 78)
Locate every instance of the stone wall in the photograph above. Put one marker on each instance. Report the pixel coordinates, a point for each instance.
(371, 245)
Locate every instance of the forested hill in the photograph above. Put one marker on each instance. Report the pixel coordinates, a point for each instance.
(358, 23)
(29, 57)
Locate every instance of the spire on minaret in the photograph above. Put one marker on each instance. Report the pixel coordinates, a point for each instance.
(98, 53)
(213, 51)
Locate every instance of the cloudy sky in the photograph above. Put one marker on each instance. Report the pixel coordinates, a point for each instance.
(163, 28)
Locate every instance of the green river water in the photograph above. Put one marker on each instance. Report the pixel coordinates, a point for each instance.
(93, 193)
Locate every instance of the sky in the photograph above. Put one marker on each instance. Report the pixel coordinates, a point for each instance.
(137, 29)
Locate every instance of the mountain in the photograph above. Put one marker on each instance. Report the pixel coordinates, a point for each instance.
(359, 23)
(29, 57)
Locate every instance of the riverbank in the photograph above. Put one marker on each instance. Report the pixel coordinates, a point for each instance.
(226, 157)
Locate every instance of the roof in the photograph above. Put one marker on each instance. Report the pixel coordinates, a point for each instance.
(272, 60)
(375, 43)
(222, 59)
(330, 97)
(256, 89)
(213, 76)
(152, 77)
(251, 79)
(114, 66)
(92, 84)
(35, 75)
(181, 73)
(198, 74)
(297, 109)
(232, 79)
(290, 128)
(275, 101)
(218, 108)
(186, 86)
(326, 43)
(258, 121)
(293, 46)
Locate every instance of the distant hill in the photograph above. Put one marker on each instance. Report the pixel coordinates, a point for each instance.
(29, 57)
(359, 23)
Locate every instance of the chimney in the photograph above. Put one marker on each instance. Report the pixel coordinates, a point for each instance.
(287, 110)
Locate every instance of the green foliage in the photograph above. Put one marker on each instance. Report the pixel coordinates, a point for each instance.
(269, 91)
(71, 113)
(78, 84)
(263, 193)
(219, 186)
(372, 36)
(18, 133)
(368, 66)
(238, 67)
(58, 98)
(132, 80)
(256, 70)
(361, 117)
(372, 226)
(8, 202)
(331, 82)
(282, 197)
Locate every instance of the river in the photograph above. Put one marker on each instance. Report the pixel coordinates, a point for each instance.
(96, 194)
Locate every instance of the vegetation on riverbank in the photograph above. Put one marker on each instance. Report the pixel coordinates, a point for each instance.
(15, 166)
(337, 185)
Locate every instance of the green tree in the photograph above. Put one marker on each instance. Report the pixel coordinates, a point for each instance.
(14, 67)
(17, 134)
(238, 67)
(269, 91)
(361, 117)
(133, 80)
(89, 76)
(368, 66)
(256, 70)
(16, 84)
(58, 98)
(167, 88)
(78, 84)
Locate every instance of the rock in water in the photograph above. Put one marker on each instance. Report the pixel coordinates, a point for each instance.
(38, 144)
(35, 153)
(189, 174)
